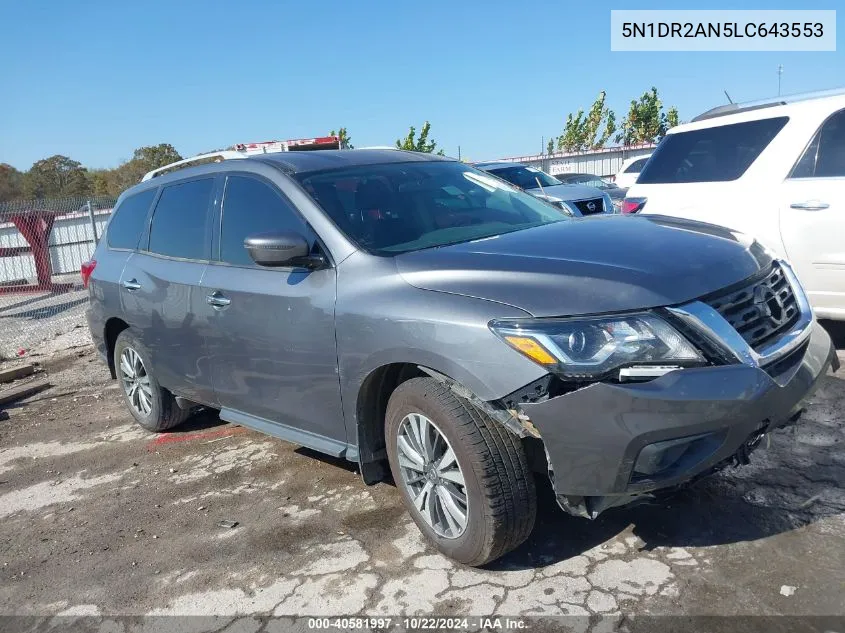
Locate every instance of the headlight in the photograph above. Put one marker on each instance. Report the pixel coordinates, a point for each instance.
(589, 348)
(560, 204)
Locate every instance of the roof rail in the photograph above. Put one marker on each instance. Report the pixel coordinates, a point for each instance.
(244, 150)
(734, 108)
(224, 155)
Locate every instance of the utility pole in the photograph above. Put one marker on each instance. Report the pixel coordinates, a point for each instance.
(459, 152)
(780, 72)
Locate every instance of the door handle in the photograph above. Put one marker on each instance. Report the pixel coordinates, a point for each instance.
(810, 205)
(132, 285)
(216, 300)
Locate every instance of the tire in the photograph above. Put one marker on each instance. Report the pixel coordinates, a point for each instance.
(163, 412)
(501, 500)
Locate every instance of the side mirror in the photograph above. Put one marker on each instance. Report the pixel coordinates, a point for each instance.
(281, 248)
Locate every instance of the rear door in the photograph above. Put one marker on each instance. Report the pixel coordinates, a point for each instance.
(813, 217)
(271, 341)
(160, 287)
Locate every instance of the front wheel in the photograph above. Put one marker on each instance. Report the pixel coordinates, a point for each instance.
(463, 477)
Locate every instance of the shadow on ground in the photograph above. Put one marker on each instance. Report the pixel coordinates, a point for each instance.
(795, 481)
(798, 479)
(836, 329)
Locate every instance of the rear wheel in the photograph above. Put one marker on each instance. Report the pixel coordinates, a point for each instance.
(152, 406)
(463, 477)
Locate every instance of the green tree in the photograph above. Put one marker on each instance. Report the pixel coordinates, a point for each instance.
(573, 133)
(143, 159)
(55, 177)
(671, 117)
(591, 131)
(550, 146)
(646, 121)
(154, 156)
(345, 139)
(99, 181)
(10, 183)
(599, 125)
(419, 144)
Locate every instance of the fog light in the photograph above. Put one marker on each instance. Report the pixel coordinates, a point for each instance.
(667, 458)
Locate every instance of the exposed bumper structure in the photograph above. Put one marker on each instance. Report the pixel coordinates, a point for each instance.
(608, 444)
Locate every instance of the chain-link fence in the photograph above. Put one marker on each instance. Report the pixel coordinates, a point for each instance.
(43, 244)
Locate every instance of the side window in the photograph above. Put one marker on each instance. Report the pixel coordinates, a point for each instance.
(127, 222)
(181, 218)
(637, 166)
(251, 206)
(825, 155)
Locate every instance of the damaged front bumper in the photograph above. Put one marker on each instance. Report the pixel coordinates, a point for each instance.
(611, 444)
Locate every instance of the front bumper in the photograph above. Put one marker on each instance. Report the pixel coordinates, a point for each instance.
(593, 436)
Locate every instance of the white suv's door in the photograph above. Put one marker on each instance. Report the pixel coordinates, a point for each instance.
(812, 218)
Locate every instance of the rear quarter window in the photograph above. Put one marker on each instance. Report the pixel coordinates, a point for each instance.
(716, 154)
(127, 221)
(180, 226)
(636, 167)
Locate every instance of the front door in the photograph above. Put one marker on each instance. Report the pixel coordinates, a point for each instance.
(272, 342)
(812, 220)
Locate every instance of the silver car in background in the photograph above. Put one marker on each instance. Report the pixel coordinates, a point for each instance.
(579, 200)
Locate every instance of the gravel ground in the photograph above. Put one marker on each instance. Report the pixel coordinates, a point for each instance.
(98, 517)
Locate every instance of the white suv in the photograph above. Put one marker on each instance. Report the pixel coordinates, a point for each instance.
(773, 170)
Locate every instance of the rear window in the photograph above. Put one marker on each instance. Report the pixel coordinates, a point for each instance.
(636, 167)
(127, 222)
(180, 220)
(716, 154)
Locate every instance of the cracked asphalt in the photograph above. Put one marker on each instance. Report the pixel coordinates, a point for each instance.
(98, 517)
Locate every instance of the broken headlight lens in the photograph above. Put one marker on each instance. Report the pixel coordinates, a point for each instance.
(590, 348)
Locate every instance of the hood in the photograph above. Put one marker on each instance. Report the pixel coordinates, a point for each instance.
(590, 265)
(568, 192)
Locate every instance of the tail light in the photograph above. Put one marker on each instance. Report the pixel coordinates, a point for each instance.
(632, 205)
(86, 270)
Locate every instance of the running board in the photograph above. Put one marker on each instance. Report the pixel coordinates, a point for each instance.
(290, 434)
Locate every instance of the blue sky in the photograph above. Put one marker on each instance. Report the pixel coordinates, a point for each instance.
(95, 79)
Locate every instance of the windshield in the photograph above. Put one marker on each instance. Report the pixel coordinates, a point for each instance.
(398, 207)
(525, 177)
(588, 180)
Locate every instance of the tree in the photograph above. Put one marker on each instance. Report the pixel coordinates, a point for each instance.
(550, 146)
(671, 117)
(10, 183)
(592, 131)
(573, 133)
(421, 144)
(154, 156)
(143, 159)
(646, 121)
(600, 116)
(345, 139)
(99, 181)
(55, 177)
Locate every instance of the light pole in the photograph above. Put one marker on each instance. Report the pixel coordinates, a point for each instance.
(780, 72)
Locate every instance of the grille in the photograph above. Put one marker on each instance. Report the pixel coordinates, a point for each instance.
(762, 310)
(584, 206)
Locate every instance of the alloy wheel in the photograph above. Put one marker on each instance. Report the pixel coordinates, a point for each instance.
(136, 381)
(432, 476)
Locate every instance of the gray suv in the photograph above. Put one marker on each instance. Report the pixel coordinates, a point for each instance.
(428, 321)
